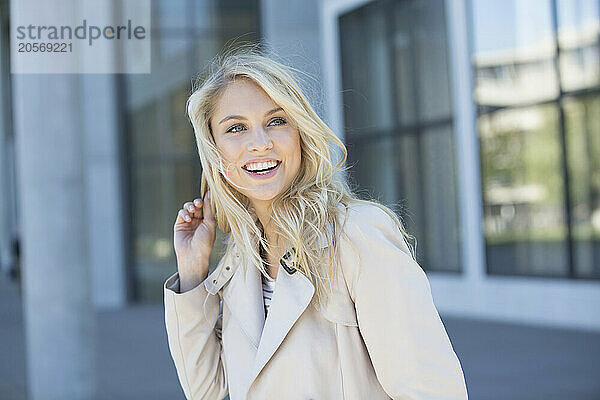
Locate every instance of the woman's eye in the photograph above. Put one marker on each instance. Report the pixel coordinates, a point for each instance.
(277, 121)
(235, 128)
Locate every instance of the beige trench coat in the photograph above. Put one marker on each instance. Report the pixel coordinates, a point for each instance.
(379, 337)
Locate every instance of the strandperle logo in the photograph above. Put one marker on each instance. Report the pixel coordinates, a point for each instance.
(80, 36)
(82, 32)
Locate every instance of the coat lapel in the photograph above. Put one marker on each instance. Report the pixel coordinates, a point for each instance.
(245, 300)
(293, 293)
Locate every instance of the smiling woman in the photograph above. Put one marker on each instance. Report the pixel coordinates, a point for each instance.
(261, 150)
(349, 316)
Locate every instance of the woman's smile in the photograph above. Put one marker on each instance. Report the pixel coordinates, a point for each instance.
(262, 170)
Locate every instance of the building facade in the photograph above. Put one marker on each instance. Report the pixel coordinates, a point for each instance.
(477, 120)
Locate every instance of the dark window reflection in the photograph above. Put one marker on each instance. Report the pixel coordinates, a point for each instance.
(398, 119)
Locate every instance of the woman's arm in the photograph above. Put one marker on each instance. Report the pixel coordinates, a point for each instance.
(196, 350)
(191, 311)
(404, 335)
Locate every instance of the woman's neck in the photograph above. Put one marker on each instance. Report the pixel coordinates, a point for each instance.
(263, 213)
(273, 253)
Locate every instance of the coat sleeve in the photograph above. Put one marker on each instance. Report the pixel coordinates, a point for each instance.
(192, 323)
(400, 326)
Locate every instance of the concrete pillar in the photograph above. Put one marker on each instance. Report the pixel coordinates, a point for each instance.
(54, 216)
(103, 191)
(102, 172)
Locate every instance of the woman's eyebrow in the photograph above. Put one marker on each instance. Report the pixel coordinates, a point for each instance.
(273, 111)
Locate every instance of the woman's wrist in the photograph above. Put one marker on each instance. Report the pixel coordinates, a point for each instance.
(191, 274)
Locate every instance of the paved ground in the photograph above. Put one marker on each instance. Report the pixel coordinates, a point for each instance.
(500, 361)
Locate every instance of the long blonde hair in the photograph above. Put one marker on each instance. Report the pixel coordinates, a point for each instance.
(304, 210)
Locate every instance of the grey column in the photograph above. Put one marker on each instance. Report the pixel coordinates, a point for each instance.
(103, 191)
(292, 33)
(102, 174)
(467, 142)
(57, 301)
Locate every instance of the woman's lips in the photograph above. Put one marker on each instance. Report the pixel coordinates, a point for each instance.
(265, 175)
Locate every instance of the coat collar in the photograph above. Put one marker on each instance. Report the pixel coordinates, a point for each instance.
(244, 297)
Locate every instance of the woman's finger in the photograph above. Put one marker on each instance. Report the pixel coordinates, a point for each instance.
(184, 215)
(190, 208)
(194, 208)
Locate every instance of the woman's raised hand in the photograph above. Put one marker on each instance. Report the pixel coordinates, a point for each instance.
(193, 239)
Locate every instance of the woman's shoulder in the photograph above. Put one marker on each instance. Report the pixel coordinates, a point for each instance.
(372, 245)
(363, 217)
(369, 227)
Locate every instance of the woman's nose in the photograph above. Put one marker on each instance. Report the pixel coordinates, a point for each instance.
(260, 140)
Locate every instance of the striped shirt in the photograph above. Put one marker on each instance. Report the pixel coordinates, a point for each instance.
(268, 288)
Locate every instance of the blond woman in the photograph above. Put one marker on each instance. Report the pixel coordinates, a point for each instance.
(318, 295)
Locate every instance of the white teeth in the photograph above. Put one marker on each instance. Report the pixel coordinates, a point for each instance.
(260, 165)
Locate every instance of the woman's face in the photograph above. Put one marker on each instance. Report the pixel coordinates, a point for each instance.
(258, 142)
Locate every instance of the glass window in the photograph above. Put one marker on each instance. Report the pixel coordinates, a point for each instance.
(578, 40)
(398, 119)
(582, 123)
(514, 52)
(176, 16)
(366, 70)
(524, 218)
(536, 87)
(421, 61)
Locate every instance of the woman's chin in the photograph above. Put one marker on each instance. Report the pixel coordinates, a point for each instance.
(262, 195)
